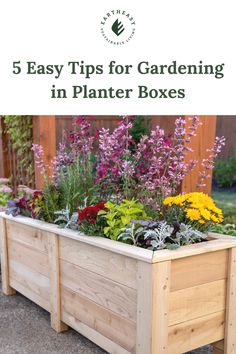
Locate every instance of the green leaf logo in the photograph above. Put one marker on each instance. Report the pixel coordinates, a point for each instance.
(117, 27)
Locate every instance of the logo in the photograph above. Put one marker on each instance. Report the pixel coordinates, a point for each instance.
(118, 27)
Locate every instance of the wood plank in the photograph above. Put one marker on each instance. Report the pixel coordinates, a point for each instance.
(27, 235)
(193, 334)
(144, 308)
(24, 290)
(28, 256)
(226, 126)
(152, 308)
(218, 347)
(217, 351)
(160, 313)
(113, 296)
(122, 269)
(203, 141)
(200, 269)
(6, 288)
(44, 133)
(34, 283)
(198, 301)
(101, 242)
(94, 336)
(230, 327)
(194, 249)
(107, 323)
(55, 289)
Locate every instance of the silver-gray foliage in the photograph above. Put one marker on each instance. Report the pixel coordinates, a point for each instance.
(65, 220)
(157, 235)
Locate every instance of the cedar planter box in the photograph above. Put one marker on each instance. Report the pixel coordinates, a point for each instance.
(123, 298)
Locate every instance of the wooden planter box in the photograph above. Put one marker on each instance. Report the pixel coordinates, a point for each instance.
(123, 298)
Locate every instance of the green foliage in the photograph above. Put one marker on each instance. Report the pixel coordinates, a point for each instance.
(227, 202)
(119, 216)
(227, 229)
(4, 197)
(96, 229)
(141, 126)
(76, 186)
(224, 172)
(50, 202)
(19, 129)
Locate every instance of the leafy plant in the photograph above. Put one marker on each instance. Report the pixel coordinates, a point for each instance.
(66, 220)
(26, 205)
(157, 235)
(224, 172)
(50, 202)
(119, 216)
(75, 185)
(227, 229)
(19, 129)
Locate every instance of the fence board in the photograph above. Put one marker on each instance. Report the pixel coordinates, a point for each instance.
(44, 129)
(226, 126)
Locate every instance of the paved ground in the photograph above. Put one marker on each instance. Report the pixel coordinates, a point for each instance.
(25, 329)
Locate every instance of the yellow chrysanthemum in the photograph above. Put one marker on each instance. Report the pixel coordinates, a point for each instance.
(214, 218)
(206, 214)
(198, 207)
(201, 221)
(193, 214)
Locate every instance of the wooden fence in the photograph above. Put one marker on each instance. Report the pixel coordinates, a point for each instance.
(47, 131)
(10, 164)
(226, 126)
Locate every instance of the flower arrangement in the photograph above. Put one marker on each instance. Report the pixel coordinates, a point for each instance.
(125, 189)
(195, 208)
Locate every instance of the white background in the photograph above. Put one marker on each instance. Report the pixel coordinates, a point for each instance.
(55, 32)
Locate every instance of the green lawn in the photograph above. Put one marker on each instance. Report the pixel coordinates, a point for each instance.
(227, 202)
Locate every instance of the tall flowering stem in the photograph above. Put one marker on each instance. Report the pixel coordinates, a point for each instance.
(160, 161)
(115, 161)
(38, 157)
(208, 163)
(149, 171)
(76, 145)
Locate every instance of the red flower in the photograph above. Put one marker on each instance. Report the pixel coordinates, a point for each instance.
(101, 205)
(90, 213)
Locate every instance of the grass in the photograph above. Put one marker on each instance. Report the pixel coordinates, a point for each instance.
(227, 202)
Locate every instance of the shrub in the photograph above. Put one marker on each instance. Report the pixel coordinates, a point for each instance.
(224, 172)
(227, 229)
(119, 216)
